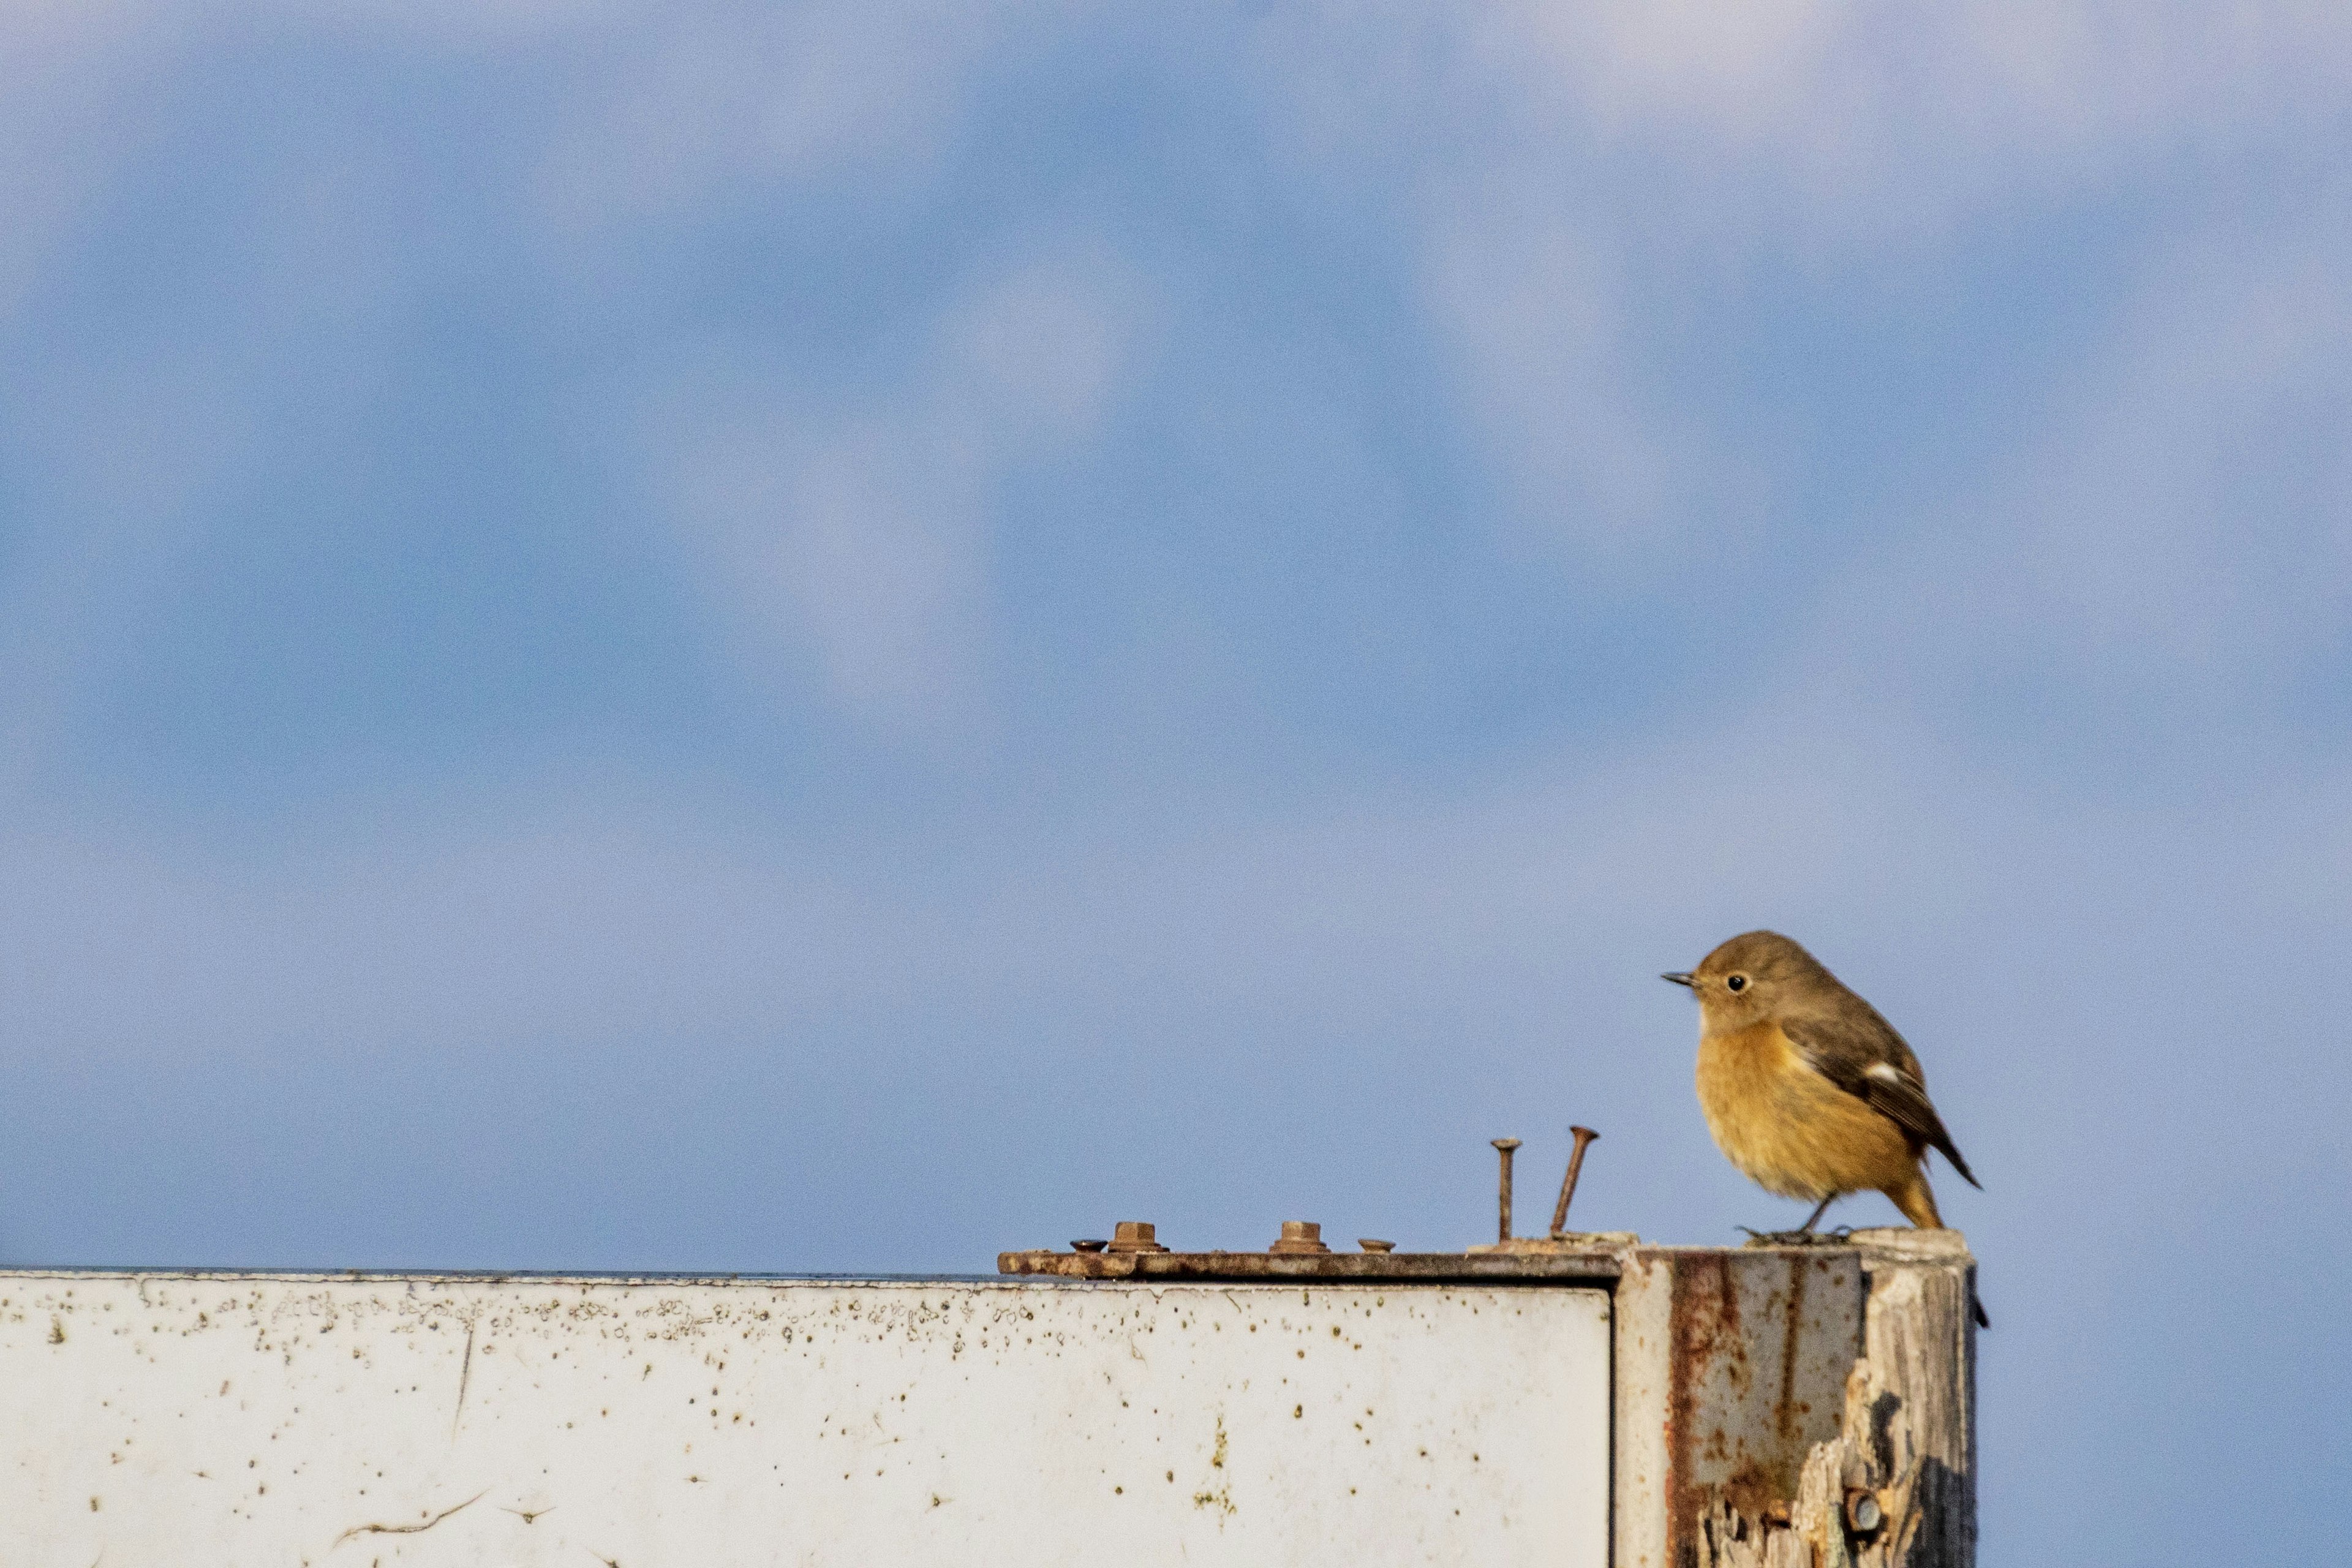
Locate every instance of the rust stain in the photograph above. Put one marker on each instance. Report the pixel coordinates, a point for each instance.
(1693, 1336)
(1792, 1342)
(1738, 1426)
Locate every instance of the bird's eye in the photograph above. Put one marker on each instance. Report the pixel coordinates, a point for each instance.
(1737, 983)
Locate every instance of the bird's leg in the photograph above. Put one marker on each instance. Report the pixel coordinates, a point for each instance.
(1804, 1235)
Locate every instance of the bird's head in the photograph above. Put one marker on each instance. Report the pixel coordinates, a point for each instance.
(1749, 979)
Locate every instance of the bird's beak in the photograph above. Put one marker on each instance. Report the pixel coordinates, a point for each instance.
(1680, 977)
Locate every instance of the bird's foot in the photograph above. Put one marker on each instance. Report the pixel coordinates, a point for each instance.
(1837, 1238)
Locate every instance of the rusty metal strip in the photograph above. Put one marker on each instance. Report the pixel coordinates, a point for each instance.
(1599, 1265)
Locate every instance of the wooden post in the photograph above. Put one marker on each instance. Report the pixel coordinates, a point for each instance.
(1896, 1488)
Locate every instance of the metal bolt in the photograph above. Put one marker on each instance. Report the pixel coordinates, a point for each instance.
(1584, 1137)
(1095, 1245)
(1300, 1236)
(1504, 1146)
(1135, 1235)
(1863, 1511)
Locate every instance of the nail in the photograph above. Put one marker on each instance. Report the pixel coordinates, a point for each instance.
(1504, 1146)
(1584, 1137)
(1863, 1511)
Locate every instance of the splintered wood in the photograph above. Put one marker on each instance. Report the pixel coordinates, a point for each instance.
(1895, 1488)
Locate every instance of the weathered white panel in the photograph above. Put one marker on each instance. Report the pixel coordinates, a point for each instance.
(274, 1420)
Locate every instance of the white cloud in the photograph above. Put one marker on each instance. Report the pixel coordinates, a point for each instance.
(1561, 171)
(2153, 529)
(1536, 322)
(1872, 117)
(1515, 912)
(850, 542)
(70, 112)
(664, 108)
(2182, 520)
(856, 543)
(694, 103)
(458, 24)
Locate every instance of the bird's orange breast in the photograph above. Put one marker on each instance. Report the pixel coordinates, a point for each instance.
(1792, 1131)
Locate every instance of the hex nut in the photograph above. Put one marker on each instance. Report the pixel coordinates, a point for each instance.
(1135, 1235)
(1300, 1236)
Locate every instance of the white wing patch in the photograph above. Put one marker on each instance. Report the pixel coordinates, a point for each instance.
(1885, 1074)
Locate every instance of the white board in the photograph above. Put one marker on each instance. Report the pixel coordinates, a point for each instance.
(229, 1420)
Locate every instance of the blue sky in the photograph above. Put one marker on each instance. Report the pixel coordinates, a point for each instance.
(840, 637)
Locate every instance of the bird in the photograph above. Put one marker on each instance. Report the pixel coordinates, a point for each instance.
(1806, 1088)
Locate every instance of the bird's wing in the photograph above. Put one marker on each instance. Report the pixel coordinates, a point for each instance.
(1866, 1058)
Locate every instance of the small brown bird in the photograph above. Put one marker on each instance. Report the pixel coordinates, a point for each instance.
(1806, 1089)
